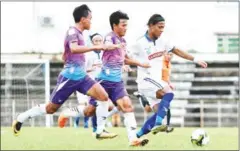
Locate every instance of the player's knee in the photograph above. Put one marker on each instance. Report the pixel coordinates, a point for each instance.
(159, 94)
(52, 108)
(148, 109)
(103, 97)
(127, 108)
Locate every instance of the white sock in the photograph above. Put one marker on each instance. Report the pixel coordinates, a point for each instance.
(131, 125)
(113, 111)
(101, 113)
(38, 110)
(74, 111)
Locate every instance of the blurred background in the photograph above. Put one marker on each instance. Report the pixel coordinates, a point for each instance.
(32, 36)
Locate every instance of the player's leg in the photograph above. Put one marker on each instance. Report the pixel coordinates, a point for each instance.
(86, 119)
(163, 95)
(166, 96)
(169, 128)
(119, 97)
(62, 91)
(77, 111)
(76, 121)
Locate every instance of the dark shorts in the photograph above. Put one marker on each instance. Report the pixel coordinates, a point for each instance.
(115, 91)
(65, 87)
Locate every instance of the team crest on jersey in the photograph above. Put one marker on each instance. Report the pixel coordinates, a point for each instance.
(148, 50)
(71, 31)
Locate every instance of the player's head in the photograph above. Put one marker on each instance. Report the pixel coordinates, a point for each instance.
(119, 22)
(96, 39)
(82, 14)
(168, 56)
(156, 24)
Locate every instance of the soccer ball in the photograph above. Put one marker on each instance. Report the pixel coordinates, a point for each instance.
(199, 137)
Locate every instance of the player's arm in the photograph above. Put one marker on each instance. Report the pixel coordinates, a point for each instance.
(134, 62)
(189, 57)
(75, 48)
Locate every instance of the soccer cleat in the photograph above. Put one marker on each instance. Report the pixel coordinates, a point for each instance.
(62, 120)
(137, 94)
(106, 135)
(16, 126)
(169, 129)
(139, 142)
(159, 128)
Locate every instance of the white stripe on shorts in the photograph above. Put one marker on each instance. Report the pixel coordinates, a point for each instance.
(154, 82)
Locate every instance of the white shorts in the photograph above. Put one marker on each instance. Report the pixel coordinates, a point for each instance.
(82, 99)
(148, 87)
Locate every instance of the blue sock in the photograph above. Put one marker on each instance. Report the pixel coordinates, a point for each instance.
(77, 119)
(86, 118)
(148, 125)
(94, 123)
(163, 107)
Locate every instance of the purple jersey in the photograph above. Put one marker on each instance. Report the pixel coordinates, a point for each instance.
(74, 67)
(113, 60)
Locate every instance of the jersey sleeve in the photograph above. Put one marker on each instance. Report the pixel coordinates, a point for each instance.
(72, 36)
(108, 40)
(169, 46)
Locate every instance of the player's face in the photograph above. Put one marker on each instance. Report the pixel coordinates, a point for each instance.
(97, 40)
(157, 29)
(121, 28)
(87, 21)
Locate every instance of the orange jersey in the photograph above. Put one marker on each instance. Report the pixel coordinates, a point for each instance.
(166, 70)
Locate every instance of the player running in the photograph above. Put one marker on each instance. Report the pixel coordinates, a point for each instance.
(166, 72)
(150, 48)
(93, 68)
(111, 76)
(73, 76)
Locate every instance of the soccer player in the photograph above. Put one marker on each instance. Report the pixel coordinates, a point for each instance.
(150, 49)
(166, 72)
(73, 76)
(93, 68)
(110, 76)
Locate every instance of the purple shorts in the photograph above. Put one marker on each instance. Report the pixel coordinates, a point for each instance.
(65, 87)
(115, 91)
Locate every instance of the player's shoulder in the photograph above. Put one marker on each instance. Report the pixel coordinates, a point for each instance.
(109, 35)
(163, 39)
(72, 31)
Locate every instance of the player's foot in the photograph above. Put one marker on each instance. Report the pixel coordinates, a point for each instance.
(139, 142)
(137, 94)
(106, 135)
(85, 125)
(62, 120)
(16, 126)
(159, 128)
(169, 129)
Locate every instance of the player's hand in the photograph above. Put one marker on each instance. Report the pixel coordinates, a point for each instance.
(145, 65)
(121, 46)
(171, 86)
(127, 68)
(201, 63)
(100, 47)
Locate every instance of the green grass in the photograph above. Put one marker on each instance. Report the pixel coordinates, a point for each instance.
(82, 139)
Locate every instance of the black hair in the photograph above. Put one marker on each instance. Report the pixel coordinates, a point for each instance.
(80, 11)
(93, 35)
(116, 16)
(154, 19)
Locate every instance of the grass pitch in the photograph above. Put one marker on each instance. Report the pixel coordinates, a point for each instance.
(38, 138)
